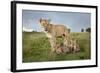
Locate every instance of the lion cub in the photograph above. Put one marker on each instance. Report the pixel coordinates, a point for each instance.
(69, 46)
(62, 49)
(72, 45)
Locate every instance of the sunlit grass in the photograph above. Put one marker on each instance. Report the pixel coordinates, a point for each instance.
(36, 48)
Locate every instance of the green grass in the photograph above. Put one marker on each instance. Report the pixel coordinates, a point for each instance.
(36, 48)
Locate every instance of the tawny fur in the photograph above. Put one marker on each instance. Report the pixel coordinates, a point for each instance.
(52, 31)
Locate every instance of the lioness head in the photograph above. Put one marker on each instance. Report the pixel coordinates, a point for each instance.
(44, 22)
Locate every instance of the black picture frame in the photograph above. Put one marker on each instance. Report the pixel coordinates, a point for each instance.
(14, 28)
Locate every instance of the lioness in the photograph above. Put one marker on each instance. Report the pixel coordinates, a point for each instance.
(52, 31)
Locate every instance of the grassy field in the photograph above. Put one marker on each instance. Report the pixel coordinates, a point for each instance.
(36, 48)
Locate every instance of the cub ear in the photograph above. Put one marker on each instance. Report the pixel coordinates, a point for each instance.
(40, 20)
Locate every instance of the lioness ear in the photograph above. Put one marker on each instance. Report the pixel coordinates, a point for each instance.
(40, 20)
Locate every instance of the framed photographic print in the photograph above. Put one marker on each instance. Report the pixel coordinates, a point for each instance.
(47, 36)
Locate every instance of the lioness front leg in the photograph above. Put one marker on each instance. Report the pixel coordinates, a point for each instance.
(53, 44)
(52, 49)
